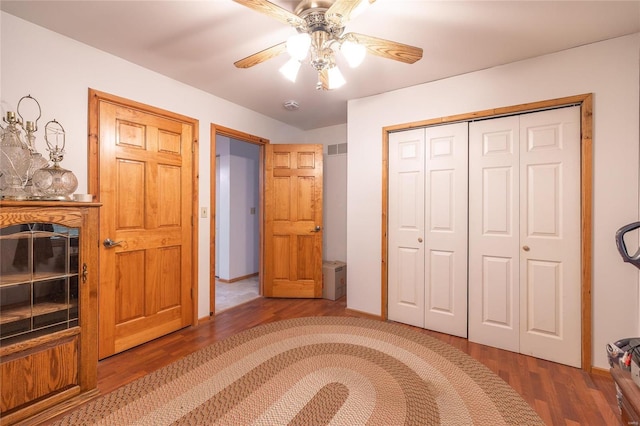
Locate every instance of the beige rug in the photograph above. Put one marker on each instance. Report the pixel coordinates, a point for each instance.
(316, 371)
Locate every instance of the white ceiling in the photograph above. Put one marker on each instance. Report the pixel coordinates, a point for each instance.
(197, 42)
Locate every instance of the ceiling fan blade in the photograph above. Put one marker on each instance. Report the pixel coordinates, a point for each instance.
(274, 11)
(340, 11)
(262, 56)
(387, 48)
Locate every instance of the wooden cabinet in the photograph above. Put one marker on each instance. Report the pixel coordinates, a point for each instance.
(48, 307)
(628, 396)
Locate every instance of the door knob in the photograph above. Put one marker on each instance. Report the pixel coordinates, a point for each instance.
(316, 229)
(108, 243)
(525, 248)
(419, 240)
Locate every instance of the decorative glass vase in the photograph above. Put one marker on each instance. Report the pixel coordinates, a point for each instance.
(54, 182)
(15, 160)
(31, 127)
(37, 162)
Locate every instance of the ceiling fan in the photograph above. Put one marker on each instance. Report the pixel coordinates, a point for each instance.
(320, 27)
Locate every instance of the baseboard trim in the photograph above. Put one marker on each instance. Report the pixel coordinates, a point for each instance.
(233, 280)
(204, 320)
(600, 371)
(363, 314)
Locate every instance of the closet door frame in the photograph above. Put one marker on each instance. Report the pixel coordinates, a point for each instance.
(585, 101)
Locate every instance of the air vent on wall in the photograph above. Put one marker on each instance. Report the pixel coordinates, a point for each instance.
(340, 148)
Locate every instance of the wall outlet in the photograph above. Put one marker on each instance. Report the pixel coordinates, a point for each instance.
(204, 212)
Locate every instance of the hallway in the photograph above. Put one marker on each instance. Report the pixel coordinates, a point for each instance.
(233, 294)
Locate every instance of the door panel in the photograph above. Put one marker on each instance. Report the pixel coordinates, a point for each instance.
(406, 227)
(145, 187)
(550, 320)
(446, 173)
(497, 292)
(293, 220)
(494, 317)
(525, 234)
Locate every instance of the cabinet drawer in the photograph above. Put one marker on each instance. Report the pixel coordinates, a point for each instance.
(38, 373)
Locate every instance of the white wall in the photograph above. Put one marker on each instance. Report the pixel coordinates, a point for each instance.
(245, 195)
(238, 229)
(334, 241)
(609, 70)
(58, 72)
(223, 209)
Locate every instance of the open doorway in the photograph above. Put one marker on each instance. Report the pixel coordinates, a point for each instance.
(236, 218)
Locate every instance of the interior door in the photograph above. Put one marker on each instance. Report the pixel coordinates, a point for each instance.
(550, 314)
(446, 181)
(145, 185)
(494, 274)
(427, 272)
(524, 246)
(293, 221)
(406, 228)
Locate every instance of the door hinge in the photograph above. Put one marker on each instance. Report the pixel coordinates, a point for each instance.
(191, 292)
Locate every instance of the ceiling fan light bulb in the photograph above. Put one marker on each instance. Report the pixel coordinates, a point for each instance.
(354, 53)
(290, 69)
(335, 77)
(298, 46)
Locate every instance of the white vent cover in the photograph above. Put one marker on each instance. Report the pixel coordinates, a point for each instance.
(340, 148)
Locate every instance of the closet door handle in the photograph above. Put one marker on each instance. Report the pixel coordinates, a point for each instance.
(525, 248)
(419, 240)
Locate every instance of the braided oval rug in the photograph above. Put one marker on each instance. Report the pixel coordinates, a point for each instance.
(316, 371)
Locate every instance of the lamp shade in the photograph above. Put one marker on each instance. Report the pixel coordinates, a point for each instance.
(354, 53)
(290, 69)
(298, 46)
(335, 78)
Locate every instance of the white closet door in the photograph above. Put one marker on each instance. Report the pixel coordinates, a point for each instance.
(446, 174)
(550, 314)
(406, 228)
(494, 295)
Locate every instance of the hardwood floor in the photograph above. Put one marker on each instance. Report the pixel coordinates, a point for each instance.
(560, 394)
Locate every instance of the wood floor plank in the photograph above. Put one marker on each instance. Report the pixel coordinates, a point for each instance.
(560, 394)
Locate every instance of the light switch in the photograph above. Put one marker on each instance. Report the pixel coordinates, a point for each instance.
(203, 212)
(253, 210)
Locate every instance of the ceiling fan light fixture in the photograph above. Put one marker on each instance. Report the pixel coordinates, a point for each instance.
(290, 69)
(320, 27)
(335, 77)
(354, 53)
(298, 46)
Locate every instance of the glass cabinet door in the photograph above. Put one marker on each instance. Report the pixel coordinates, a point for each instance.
(38, 280)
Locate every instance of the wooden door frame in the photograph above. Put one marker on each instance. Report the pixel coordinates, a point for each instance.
(585, 101)
(93, 140)
(242, 137)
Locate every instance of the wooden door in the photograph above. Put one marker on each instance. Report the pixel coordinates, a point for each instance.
(406, 227)
(293, 221)
(446, 181)
(145, 185)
